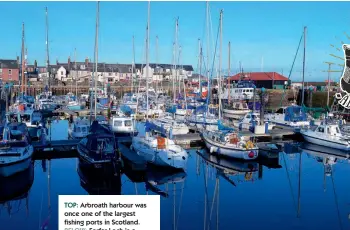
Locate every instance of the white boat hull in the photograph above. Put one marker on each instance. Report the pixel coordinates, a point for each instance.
(11, 168)
(234, 114)
(229, 152)
(159, 157)
(335, 144)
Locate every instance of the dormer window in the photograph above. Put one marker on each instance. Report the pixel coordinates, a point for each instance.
(82, 66)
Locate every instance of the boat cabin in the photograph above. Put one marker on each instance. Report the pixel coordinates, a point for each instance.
(240, 106)
(122, 124)
(332, 130)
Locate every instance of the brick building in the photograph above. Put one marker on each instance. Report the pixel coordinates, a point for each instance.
(9, 70)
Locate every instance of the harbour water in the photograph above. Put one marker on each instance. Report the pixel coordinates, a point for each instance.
(277, 192)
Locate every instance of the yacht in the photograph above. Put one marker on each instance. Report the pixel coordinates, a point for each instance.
(328, 135)
(230, 144)
(158, 150)
(15, 149)
(79, 129)
(98, 148)
(291, 116)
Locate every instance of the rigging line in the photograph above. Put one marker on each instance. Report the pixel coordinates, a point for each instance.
(289, 181)
(211, 75)
(291, 69)
(336, 200)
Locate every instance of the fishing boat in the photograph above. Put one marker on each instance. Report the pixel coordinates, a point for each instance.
(328, 135)
(123, 126)
(158, 150)
(15, 149)
(79, 129)
(236, 111)
(230, 144)
(98, 148)
(292, 116)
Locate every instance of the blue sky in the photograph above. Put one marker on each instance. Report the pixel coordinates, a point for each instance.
(255, 29)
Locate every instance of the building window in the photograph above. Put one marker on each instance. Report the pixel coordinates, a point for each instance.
(109, 74)
(10, 71)
(61, 72)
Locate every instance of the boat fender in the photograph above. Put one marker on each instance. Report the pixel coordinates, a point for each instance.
(213, 149)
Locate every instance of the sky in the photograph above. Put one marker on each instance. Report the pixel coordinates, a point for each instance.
(263, 35)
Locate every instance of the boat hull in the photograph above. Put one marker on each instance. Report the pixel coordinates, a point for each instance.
(12, 168)
(90, 162)
(327, 143)
(229, 152)
(159, 157)
(234, 114)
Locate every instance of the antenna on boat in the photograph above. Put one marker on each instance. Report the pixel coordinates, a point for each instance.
(147, 58)
(302, 87)
(96, 55)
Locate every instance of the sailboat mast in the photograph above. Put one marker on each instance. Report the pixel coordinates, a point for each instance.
(229, 72)
(76, 73)
(22, 62)
(133, 64)
(175, 55)
(96, 55)
(173, 76)
(157, 66)
(47, 50)
(147, 57)
(208, 42)
(25, 70)
(302, 87)
(220, 61)
(199, 62)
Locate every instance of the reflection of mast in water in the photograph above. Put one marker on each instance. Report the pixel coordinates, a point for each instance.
(335, 195)
(299, 184)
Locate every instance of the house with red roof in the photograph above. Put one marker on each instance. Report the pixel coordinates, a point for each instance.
(268, 80)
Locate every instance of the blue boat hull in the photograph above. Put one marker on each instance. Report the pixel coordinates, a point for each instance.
(75, 107)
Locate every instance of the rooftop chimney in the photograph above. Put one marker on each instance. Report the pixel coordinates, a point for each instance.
(86, 62)
(57, 61)
(69, 63)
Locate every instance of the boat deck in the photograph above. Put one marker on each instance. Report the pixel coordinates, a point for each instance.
(188, 140)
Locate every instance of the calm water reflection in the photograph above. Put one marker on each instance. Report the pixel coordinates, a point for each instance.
(213, 194)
